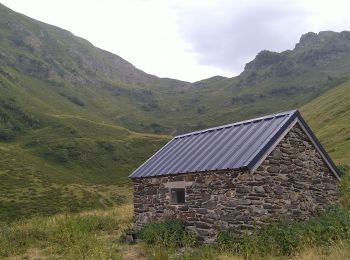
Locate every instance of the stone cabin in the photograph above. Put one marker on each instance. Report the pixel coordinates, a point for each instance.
(237, 176)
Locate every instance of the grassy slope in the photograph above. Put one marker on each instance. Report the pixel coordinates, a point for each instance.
(96, 235)
(69, 162)
(329, 116)
(68, 107)
(69, 74)
(79, 155)
(68, 174)
(63, 153)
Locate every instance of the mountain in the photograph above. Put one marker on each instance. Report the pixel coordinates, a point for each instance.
(57, 149)
(80, 78)
(75, 120)
(278, 81)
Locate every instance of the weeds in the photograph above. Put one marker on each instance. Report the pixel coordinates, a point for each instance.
(72, 236)
(281, 239)
(289, 237)
(168, 233)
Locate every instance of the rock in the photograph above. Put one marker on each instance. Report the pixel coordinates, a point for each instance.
(209, 204)
(242, 189)
(202, 225)
(204, 232)
(130, 238)
(284, 169)
(259, 189)
(245, 177)
(276, 154)
(202, 211)
(279, 190)
(293, 196)
(274, 161)
(299, 163)
(258, 177)
(238, 202)
(283, 177)
(258, 211)
(273, 169)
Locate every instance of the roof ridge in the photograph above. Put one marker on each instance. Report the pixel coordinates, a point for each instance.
(241, 145)
(236, 123)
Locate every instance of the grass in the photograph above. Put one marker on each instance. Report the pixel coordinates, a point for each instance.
(288, 238)
(329, 117)
(69, 112)
(88, 235)
(67, 122)
(65, 161)
(310, 239)
(281, 240)
(96, 234)
(167, 233)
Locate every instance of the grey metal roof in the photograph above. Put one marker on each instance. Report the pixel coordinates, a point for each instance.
(233, 146)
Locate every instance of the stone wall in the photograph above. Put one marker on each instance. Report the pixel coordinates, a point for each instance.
(293, 181)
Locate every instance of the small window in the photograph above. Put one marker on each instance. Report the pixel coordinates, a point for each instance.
(177, 196)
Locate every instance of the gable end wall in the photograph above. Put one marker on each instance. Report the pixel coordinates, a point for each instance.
(293, 182)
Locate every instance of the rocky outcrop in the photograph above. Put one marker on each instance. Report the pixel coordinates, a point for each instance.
(292, 182)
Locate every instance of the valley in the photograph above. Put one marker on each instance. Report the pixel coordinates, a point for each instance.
(76, 120)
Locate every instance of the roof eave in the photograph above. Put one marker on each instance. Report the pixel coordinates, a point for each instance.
(243, 168)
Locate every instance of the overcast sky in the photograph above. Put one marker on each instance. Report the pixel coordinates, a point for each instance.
(189, 40)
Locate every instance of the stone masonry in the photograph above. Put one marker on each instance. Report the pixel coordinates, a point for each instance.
(293, 182)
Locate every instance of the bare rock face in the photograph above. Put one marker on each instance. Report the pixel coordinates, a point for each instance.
(295, 187)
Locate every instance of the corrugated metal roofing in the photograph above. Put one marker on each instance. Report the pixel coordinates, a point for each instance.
(233, 146)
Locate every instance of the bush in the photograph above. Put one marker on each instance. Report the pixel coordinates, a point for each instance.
(168, 232)
(6, 134)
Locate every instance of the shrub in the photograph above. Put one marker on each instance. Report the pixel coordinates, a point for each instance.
(168, 232)
(6, 134)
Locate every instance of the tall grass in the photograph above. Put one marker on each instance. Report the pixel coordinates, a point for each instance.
(167, 233)
(96, 235)
(71, 236)
(289, 237)
(285, 239)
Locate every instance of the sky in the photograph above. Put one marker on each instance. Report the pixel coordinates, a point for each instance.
(189, 39)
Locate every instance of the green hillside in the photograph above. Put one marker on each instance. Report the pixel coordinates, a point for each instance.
(53, 161)
(329, 116)
(55, 153)
(69, 75)
(75, 120)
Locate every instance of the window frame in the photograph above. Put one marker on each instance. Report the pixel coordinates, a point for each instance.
(173, 202)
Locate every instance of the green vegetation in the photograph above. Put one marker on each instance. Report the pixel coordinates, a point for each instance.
(96, 235)
(69, 117)
(91, 235)
(329, 117)
(167, 233)
(315, 238)
(68, 174)
(277, 240)
(286, 238)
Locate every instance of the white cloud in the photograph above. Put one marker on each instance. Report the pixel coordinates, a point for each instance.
(228, 34)
(189, 40)
(144, 33)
